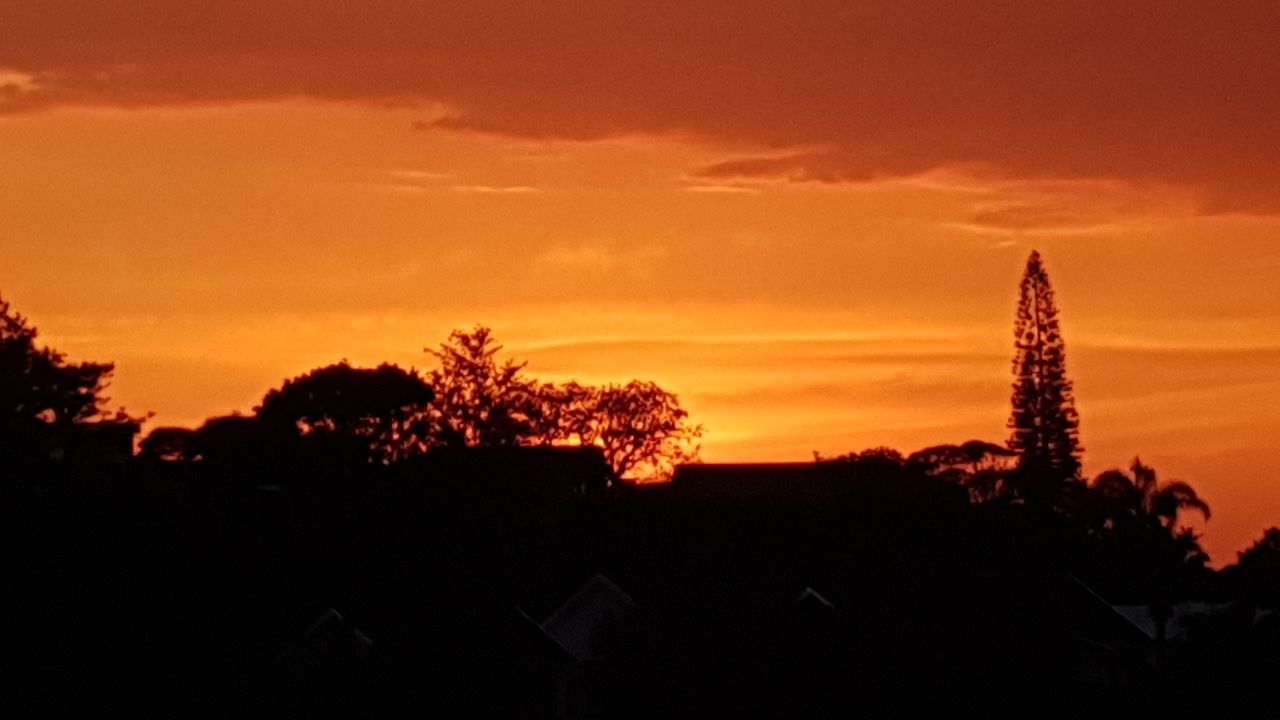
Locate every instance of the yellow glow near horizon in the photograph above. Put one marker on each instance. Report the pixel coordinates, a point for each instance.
(213, 251)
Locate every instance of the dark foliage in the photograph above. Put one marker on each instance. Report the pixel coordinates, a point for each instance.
(480, 403)
(369, 412)
(915, 595)
(641, 428)
(372, 542)
(1122, 500)
(337, 415)
(1044, 424)
(46, 402)
(1259, 570)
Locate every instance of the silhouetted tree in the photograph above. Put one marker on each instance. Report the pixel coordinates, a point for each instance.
(1141, 497)
(1044, 422)
(368, 409)
(168, 444)
(237, 441)
(44, 398)
(973, 455)
(880, 454)
(479, 402)
(1265, 550)
(640, 427)
(336, 414)
(983, 468)
(1134, 516)
(1259, 567)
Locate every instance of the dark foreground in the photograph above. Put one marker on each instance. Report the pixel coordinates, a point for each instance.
(519, 584)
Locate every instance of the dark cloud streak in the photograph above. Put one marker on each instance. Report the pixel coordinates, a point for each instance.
(1169, 91)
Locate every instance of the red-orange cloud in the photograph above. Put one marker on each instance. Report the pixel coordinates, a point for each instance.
(1162, 91)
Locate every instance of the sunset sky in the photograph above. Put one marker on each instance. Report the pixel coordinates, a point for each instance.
(808, 219)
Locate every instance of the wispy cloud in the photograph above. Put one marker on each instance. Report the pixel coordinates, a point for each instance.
(15, 86)
(1012, 209)
(724, 189)
(419, 175)
(406, 189)
(17, 81)
(495, 189)
(1009, 233)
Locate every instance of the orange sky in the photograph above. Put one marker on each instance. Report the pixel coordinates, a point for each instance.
(809, 223)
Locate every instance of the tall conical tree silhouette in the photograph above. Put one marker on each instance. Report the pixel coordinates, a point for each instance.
(1044, 422)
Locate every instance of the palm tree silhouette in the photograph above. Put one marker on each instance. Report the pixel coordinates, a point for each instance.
(1140, 495)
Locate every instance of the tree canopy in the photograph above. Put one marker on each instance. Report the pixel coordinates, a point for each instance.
(1141, 497)
(1043, 422)
(43, 396)
(344, 414)
(641, 428)
(480, 402)
(336, 415)
(368, 408)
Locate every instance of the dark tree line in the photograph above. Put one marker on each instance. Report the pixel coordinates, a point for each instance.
(1131, 518)
(428, 504)
(345, 416)
(336, 415)
(352, 416)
